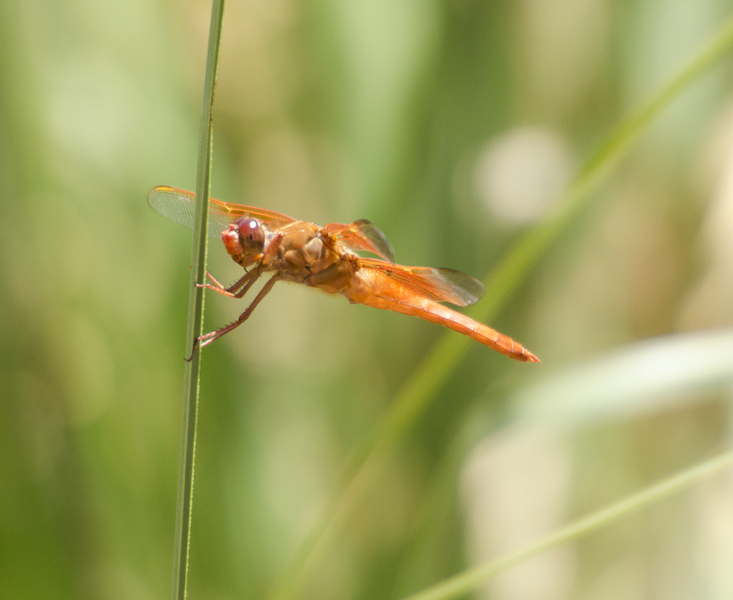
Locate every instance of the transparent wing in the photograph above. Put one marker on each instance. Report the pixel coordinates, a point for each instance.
(179, 206)
(362, 235)
(441, 285)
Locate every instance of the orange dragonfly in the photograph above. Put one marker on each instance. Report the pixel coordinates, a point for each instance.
(261, 240)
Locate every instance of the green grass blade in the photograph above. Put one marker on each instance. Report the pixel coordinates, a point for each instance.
(196, 311)
(468, 580)
(502, 281)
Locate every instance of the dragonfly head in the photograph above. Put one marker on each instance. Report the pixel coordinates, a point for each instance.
(245, 239)
(251, 235)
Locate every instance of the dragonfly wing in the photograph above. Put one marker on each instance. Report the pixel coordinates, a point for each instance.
(179, 206)
(362, 236)
(441, 285)
(366, 230)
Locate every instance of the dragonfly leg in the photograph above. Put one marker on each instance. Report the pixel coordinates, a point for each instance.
(238, 289)
(217, 286)
(214, 281)
(244, 283)
(207, 338)
(272, 247)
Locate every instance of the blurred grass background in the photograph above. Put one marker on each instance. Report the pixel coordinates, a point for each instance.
(453, 126)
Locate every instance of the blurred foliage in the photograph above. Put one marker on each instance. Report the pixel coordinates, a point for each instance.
(452, 125)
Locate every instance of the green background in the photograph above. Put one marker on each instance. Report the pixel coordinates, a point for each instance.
(329, 111)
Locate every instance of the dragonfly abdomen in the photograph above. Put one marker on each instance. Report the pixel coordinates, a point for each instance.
(390, 299)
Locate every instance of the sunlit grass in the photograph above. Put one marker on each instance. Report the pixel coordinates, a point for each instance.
(470, 579)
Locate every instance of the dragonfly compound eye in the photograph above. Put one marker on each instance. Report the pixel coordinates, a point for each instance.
(251, 235)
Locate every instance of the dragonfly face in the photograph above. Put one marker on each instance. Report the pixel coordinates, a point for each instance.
(251, 235)
(245, 240)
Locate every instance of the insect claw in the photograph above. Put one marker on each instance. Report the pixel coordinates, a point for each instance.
(195, 347)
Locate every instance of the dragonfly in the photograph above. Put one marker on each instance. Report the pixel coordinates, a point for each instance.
(328, 258)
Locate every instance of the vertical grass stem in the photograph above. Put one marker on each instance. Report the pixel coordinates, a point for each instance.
(196, 311)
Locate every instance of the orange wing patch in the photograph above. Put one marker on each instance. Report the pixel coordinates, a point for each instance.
(441, 285)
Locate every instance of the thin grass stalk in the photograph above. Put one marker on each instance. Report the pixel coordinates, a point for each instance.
(470, 579)
(196, 311)
(434, 370)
